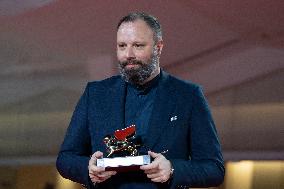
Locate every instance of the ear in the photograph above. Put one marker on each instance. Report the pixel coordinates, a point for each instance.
(160, 45)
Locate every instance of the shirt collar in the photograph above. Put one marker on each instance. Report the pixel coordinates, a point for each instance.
(145, 88)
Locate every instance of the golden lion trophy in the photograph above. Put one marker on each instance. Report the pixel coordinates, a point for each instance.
(123, 151)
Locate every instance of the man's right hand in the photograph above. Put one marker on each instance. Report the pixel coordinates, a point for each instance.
(98, 174)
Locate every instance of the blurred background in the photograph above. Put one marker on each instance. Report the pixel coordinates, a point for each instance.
(50, 49)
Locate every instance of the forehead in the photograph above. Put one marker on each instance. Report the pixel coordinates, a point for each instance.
(137, 30)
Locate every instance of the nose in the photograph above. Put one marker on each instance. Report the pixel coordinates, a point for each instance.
(129, 53)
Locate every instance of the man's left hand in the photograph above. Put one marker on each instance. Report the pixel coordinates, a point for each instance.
(159, 170)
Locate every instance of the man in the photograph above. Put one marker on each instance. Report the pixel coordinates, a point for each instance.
(171, 116)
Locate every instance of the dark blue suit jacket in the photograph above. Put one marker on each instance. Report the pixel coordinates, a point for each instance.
(191, 139)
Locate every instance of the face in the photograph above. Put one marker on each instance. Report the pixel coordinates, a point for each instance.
(137, 53)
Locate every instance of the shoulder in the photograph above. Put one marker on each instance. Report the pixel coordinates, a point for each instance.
(181, 85)
(186, 90)
(105, 83)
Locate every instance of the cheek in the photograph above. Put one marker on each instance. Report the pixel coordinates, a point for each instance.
(119, 55)
(144, 55)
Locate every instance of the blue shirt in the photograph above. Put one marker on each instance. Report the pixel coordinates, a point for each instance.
(139, 105)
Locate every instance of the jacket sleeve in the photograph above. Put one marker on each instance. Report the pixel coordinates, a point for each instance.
(205, 166)
(73, 158)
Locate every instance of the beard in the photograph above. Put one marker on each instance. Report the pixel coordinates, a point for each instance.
(141, 71)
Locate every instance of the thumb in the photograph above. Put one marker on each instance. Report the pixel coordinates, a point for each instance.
(97, 155)
(153, 154)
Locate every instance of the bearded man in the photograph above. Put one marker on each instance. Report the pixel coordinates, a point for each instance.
(170, 115)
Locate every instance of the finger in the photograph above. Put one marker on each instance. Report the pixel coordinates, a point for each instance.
(95, 169)
(153, 165)
(106, 174)
(103, 179)
(94, 178)
(99, 178)
(98, 171)
(151, 171)
(102, 176)
(160, 179)
(153, 154)
(154, 175)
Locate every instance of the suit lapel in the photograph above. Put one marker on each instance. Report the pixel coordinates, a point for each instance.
(116, 102)
(164, 105)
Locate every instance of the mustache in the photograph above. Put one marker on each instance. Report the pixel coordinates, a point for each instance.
(131, 62)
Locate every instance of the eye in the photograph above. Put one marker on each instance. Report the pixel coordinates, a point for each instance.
(139, 46)
(121, 46)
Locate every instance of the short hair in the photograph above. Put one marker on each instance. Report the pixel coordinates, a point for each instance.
(150, 20)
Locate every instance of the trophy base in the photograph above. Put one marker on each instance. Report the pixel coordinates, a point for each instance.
(121, 164)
